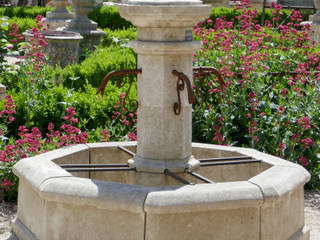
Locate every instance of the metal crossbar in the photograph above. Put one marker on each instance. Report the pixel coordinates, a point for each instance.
(176, 177)
(207, 164)
(198, 176)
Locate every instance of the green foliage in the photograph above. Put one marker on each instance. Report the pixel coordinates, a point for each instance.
(24, 24)
(94, 68)
(231, 14)
(24, 12)
(119, 37)
(108, 17)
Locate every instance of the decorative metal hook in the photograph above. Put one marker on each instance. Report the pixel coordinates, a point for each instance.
(120, 82)
(182, 81)
(203, 73)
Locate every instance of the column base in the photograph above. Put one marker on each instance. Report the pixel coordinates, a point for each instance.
(158, 165)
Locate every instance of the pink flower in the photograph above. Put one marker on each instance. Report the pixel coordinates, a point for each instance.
(304, 161)
(6, 184)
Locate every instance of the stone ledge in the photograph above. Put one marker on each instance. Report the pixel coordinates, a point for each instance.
(105, 195)
(203, 197)
(164, 48)
(278, 181)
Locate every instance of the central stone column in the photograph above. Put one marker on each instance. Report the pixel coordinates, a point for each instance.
(164, 44)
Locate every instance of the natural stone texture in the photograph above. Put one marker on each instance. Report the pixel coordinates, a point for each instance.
(83, 25)
(274, 181)
(203, 197)
(314, 23)
(86, 222)
(2, 91)
(103, 195)
(229, 224)
(284, 217)
(58, 17)
(164, 44)
(64, 204)
(62, 48)
(30, 223)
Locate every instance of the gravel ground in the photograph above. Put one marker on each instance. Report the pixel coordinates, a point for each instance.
(312, 214)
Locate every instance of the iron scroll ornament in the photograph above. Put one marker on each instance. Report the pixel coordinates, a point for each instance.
(182, 81)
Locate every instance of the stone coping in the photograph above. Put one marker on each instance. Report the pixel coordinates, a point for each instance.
(58, 35)
(53, 183)
(164, 16)
(164, 48)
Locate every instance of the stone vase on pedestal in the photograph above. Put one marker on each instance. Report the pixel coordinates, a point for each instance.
(2, 95)
(58, 17)
(83, 25)
(62, 48)
(314, 21)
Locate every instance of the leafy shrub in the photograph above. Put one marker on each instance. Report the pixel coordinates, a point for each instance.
(24, 24)
(108, 17)
(24, 12)
(94, 68)
(119, 37)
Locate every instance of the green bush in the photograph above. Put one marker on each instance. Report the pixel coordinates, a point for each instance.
(108, 17)
(119, 37)
(94, 68)
(24, 12)
(23, 23)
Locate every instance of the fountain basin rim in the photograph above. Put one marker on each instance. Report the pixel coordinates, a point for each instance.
(54, 34)
(53, 183)
(161, 2)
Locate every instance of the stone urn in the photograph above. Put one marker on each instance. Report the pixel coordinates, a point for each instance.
(316, 17)
(2, 94)
(314, 21)
(62, 48)
(83, 25)
(58, 17)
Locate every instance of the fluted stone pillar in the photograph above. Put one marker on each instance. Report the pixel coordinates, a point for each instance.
(58, 17)
(164, 44)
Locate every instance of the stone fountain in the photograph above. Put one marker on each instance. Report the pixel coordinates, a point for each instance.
(163, 186)
(83, 25)
(58, 17)
(314, 21)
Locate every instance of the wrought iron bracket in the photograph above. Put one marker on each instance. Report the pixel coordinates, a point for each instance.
(121, 82)
(182, 81)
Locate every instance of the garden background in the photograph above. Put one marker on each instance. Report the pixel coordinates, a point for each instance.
(270, 100)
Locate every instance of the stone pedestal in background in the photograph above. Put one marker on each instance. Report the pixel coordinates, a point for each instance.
(63, 46)
(2, 95)
(314, 21)
(83, 25)
(58, 17)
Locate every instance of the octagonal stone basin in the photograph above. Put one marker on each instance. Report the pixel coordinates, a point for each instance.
(262, 200)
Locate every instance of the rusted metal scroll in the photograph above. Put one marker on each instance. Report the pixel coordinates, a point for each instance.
(203, 73)
(120, 83)
(183, 80)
